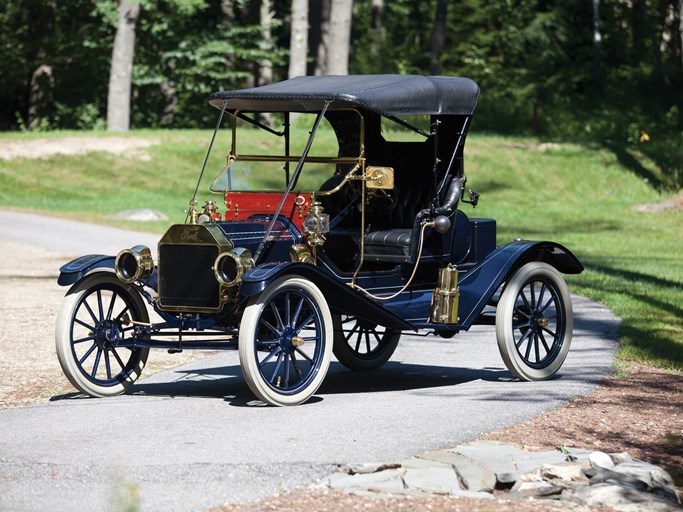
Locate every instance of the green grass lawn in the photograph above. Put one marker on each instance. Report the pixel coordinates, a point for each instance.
(579, 195)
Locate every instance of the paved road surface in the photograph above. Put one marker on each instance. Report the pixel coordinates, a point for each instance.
(193, 437)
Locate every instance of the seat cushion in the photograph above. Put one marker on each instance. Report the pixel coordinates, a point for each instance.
(392, 242)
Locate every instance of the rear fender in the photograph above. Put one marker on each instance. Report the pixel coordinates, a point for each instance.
(479, 284)
(341, 298)
(76, 269)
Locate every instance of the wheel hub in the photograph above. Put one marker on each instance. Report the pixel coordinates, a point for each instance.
(538, 321)
(290, 341)
(106, 333)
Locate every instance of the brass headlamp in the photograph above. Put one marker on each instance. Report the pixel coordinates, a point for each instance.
(316, 224)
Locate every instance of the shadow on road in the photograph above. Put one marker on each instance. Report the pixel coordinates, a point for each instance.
(227, 382)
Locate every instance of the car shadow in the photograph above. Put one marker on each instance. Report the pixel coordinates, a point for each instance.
(227, 382)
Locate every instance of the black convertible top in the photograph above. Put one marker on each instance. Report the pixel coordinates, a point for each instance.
(388, 95)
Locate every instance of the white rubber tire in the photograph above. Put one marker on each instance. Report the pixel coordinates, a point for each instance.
(68, 360)
(248, 333)
(519, 365)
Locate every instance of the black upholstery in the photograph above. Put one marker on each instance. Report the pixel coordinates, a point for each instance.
(394, 242)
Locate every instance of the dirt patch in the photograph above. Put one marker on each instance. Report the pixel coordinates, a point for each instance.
(639, 411)
(675, 202)
(29, 301)
(130, 147)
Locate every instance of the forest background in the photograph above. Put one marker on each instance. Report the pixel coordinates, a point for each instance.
(605, 71)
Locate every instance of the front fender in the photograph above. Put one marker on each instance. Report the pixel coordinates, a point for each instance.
(479, 284)
(76, 269)
(341, 298)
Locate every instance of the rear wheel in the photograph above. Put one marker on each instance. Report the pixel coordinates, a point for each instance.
(93, 319)
(361, 345)
(534, 322)
(285, 341)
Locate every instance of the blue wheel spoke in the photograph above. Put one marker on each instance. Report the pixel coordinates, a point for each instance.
(550, 332)
(107, 364)
(288, 312)
(532, 292)
(87, 354)
(81, 322)
(297, 312)
(367, 341)
(550, 302)
(266, 344)
(524, 299)
(100, 306)
(118, 359)
(521, 326)
(540, 295)
(351, 332)
(121, 313)
(110, 310)
(519, 311)
(536, 348)
(270, 327)
(359, 338)
(96, 365)
(545, 344)
(304, 355)
(276, 313)
(528, 348)
(92, 314)
(296, 366)
(81, 340)
(286, 371)
(277, 367)
(304, 323)
(521, 340)
(270, 355)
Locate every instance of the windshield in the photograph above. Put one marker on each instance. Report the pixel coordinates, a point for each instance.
(263, 156)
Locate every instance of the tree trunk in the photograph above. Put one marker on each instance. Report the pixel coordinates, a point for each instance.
(40, 94)
(680, 26)
(41, 30)
(121, 74)
(265, 75)
(324, 8)
(378, 27)
(438, 37)
(655, 44)
(266, 44)
(339, 37)
(298, 42)
(597, 43)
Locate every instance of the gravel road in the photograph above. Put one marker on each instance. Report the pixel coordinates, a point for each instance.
(192, 437)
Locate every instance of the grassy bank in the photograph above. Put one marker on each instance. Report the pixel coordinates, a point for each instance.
(581, 196)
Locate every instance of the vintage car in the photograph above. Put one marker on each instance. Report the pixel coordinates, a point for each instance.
(344, 232)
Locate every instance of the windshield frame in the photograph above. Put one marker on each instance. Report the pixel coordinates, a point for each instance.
(355, 162)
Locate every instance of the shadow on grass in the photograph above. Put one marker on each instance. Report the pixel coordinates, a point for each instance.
(631, 163)
(642, 330)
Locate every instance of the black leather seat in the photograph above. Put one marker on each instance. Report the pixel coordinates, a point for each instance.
(400, 244)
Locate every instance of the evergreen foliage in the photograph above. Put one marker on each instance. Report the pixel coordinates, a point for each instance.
(537, 61)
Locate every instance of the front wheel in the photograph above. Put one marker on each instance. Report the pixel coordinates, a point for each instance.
(94, 317)
(285, 341)
(534, 322)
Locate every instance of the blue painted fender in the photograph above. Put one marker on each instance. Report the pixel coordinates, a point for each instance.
(76, 269)
(341, 298)
(478, 285)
